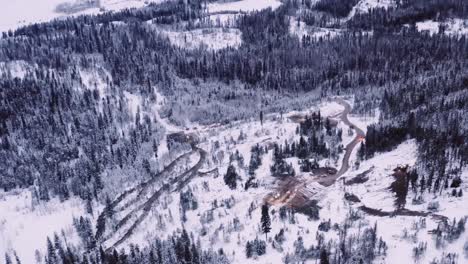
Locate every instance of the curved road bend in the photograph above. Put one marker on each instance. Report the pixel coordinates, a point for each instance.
(330, 180)
(294, 187)
(350, 147)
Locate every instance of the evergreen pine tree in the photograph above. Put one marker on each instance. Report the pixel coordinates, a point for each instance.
(51, 255)
(7, 259)
(231, 177)
(261, 117)
(248, 250)
(265, 220)
(324, 257)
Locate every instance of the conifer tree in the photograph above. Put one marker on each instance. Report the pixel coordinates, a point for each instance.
(231, 177)
(324, 257)
(265, 220)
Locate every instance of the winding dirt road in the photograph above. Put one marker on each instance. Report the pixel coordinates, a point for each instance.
(295, 192)
(360, 135)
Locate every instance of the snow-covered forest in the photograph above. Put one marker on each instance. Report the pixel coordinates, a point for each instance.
(251, 131)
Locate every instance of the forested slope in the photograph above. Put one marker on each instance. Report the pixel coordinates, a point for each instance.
(70, 125)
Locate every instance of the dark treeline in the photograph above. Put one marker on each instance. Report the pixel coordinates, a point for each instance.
(433, 111)
(178, 248)
(338, 8)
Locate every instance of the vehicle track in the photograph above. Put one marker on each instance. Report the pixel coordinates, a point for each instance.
(140, 213)
(357, 139)
(402, 212)
(146, 207)
(291, 191)
(142, 187)
(330, 180)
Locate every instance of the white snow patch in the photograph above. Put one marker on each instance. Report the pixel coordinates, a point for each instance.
(243, 6)
(25, 228)
(453, 27)
(134, 102)
(17, 13)
(374, 193)
(365, 5)
(362, 121)
(15, 69)
(95, 79)
(301, 29)
(211, 38)
(330, 109)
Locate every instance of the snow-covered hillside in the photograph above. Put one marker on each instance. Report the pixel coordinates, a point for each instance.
(230, 218)
(14, 14)
(365, 5)
(25, 225)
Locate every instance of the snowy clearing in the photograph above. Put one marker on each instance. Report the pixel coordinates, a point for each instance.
(229, 218)
(301, 29)
(16, 69)
(365, 5)
(211, 38)
(243, 6)
(399, 232)
(25, 226)
(452, 27)
(17, 13)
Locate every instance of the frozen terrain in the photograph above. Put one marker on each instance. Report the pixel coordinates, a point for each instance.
(452, 27)
(25, 225)
(19, 13)
(300, 29)
(243, 6)
(210, 38)
(229, 218)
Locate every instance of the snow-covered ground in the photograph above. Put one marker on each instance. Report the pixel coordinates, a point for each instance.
(364, 121)
(211, 38)
(231, 204)
(226, 207)
(25, 227)
(243, 6)
(300, 29)
(365, 5)
(229, 218)
(375, 193)
(453, 27)
(16, 69)
(231, 223)
(17, 13)
(380, 168)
